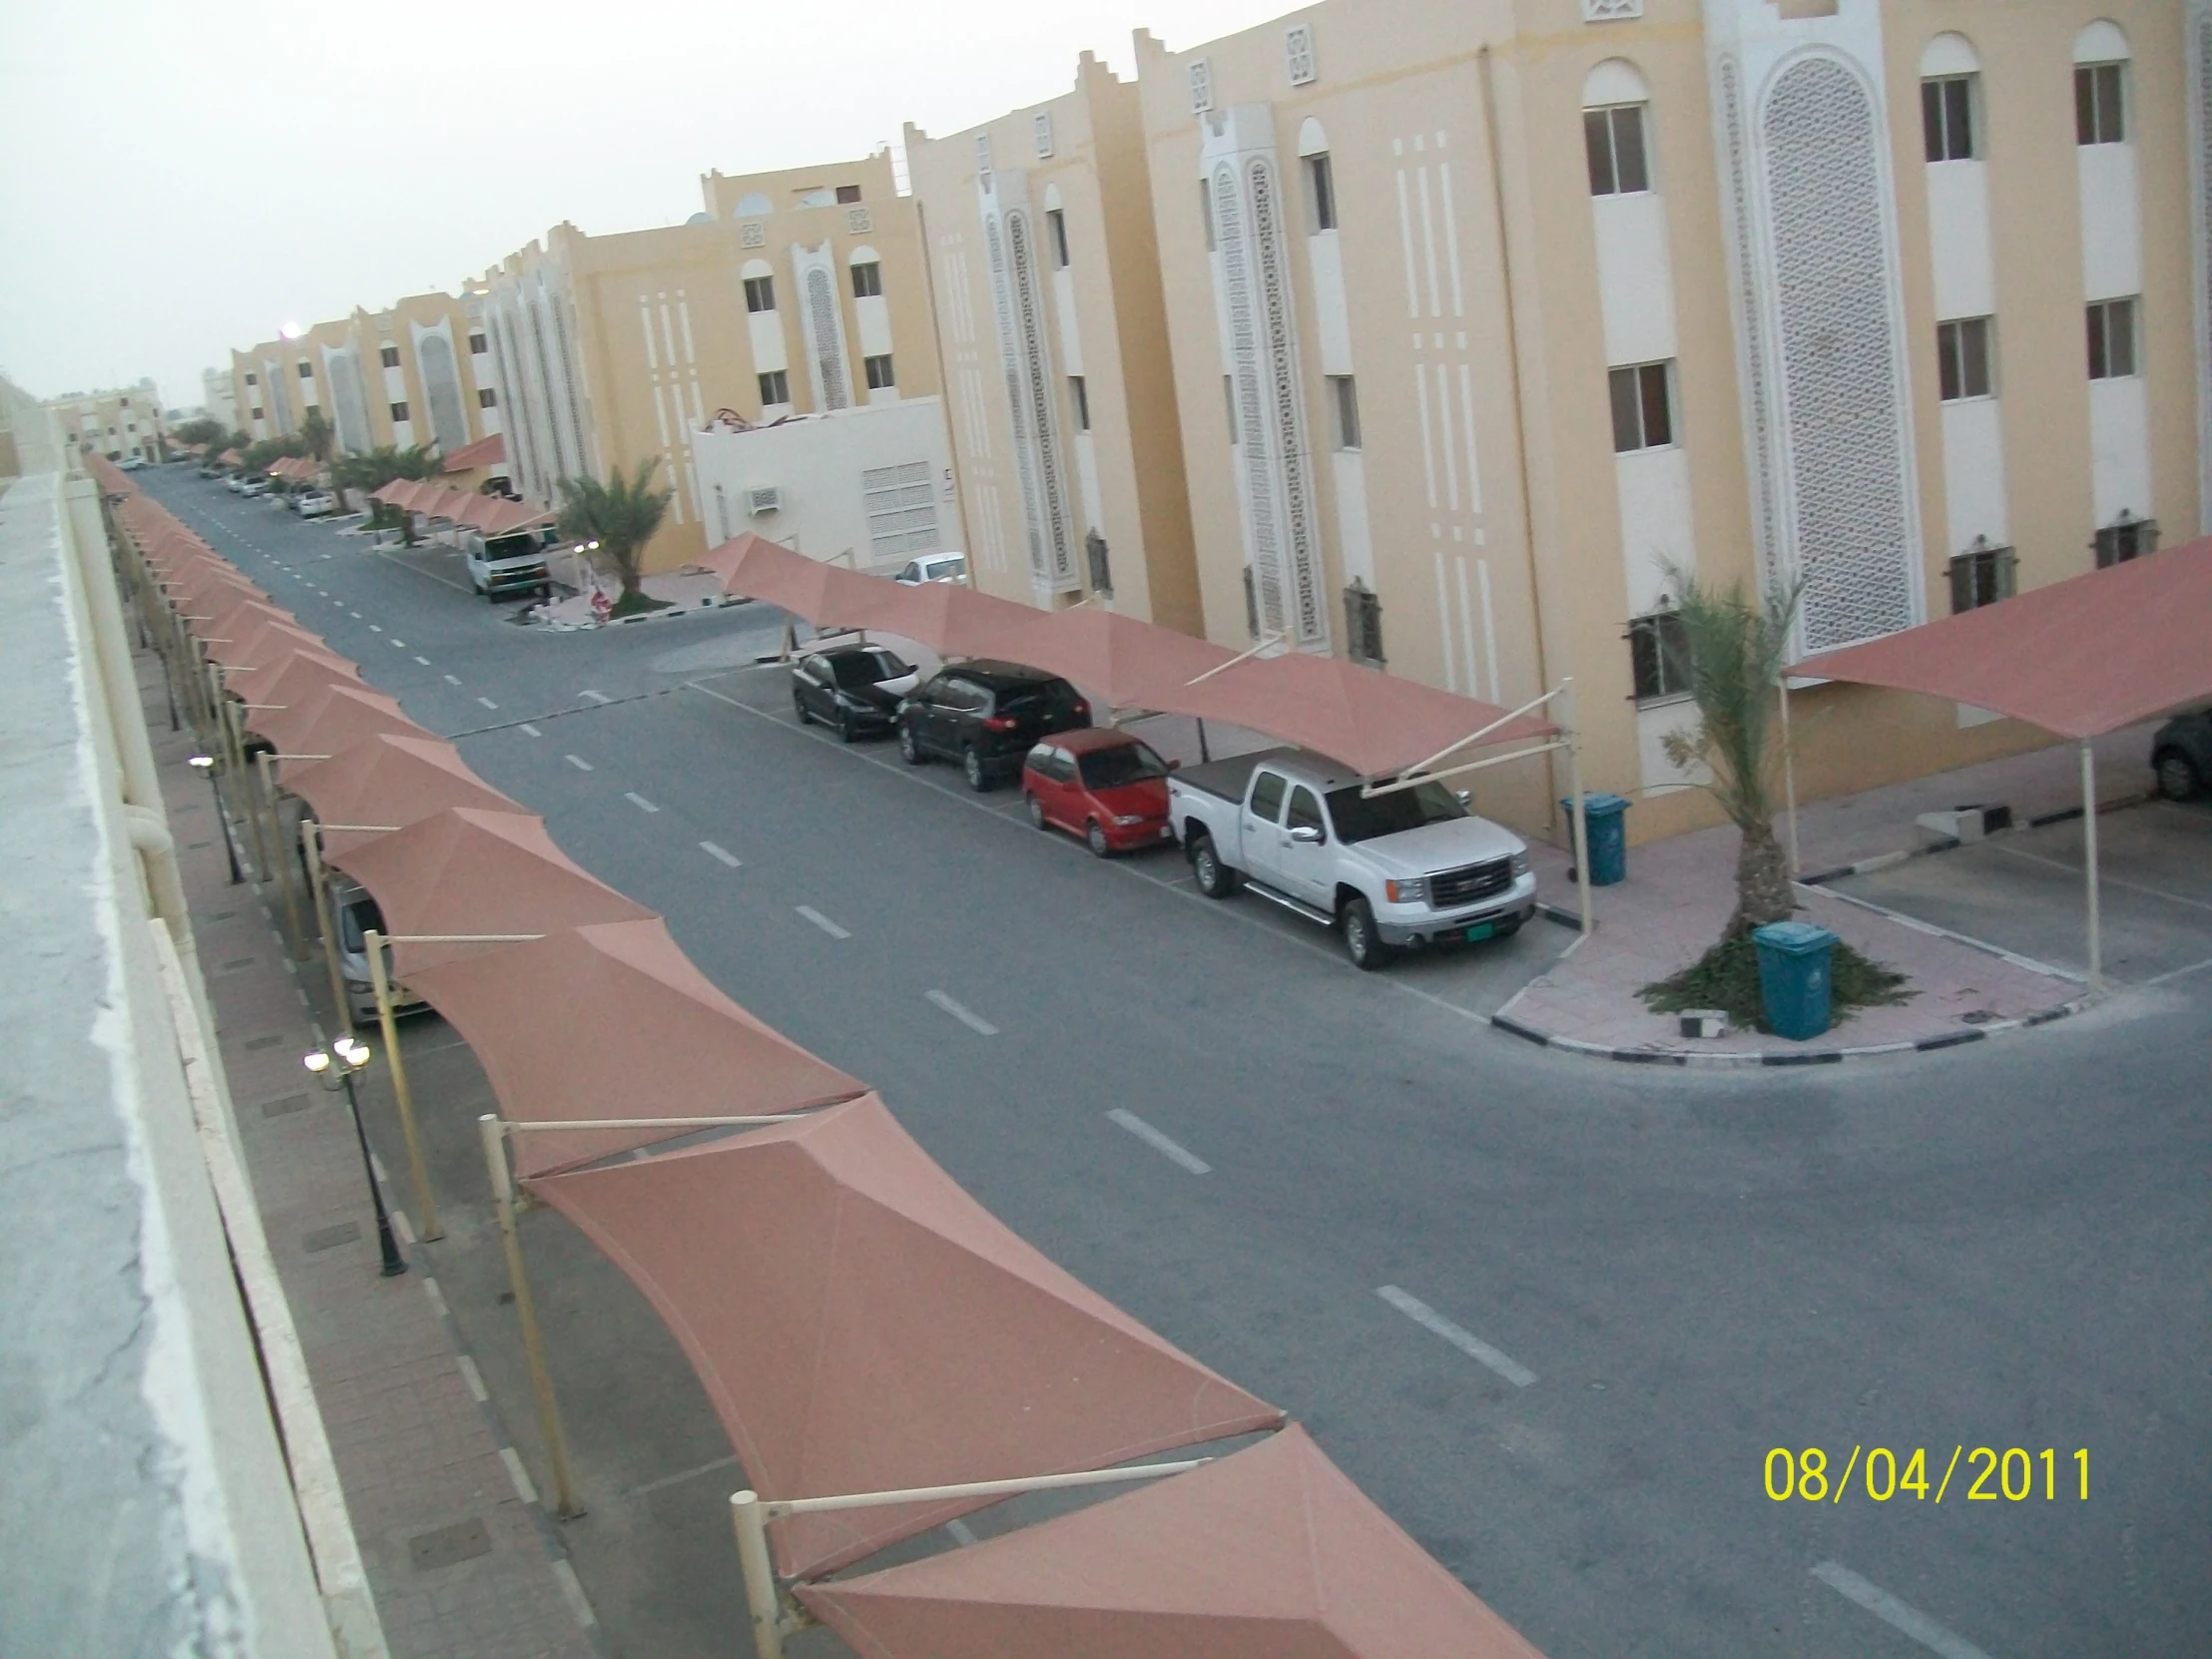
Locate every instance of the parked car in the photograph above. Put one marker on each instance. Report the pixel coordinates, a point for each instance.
(986, 716)
(256, 486)
(316, 504)
(509, 565)
(1105, 786)
(357, 918)
(852, 688)
(130, 464)
(208, 469)
(2181, 755)
(1411, 866)
(933, 566)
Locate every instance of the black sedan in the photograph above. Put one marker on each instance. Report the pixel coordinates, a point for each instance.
(851, 690)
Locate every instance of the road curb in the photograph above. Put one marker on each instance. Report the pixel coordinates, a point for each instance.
(1780, 1058)
(1944, 843)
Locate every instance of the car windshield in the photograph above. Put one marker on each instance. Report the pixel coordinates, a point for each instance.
(1109, 768)
(1359, 820)
(855, 669)
(362, 917)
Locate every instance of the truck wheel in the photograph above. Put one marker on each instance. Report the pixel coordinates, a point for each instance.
(1215, 879)
(2177, 775)
(1361, 943)
(908, 750)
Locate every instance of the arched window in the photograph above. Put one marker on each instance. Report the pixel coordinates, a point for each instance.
(1950, 99)
(1615, 109)
(2101, 114)
(759, 278)
(868, 273)
(1321, 178)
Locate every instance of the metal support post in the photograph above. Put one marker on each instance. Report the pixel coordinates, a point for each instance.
(2089, 862)
(327, 921)
(526, 1309)
(1580, 829)
(761, 1596)
(286, 877)
(373, 942)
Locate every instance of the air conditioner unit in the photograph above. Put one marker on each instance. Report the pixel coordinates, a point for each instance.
(764, 498)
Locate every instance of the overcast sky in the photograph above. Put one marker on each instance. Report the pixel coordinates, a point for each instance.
(179, 179)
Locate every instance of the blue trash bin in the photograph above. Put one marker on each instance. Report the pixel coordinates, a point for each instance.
(1794, 959)
(1605, 823)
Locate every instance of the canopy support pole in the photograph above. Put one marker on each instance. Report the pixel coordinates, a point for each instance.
(1204, 753)
(1580, 834)
(527, 1311)
(1789, 776)
(283, 872)
(325, 918)
(2089, 862)
(750, 1517)
(372, 945)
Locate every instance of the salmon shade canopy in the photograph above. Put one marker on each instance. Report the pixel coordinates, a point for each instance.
(390, 779)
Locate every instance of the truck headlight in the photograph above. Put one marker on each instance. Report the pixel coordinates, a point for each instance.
(1413, 890)
(1521, 863)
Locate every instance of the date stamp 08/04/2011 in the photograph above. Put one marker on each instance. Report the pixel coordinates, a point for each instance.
(2011, 1475)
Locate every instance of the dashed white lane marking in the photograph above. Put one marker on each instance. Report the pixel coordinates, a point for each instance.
(1464, 1340)
(1895, 1613)
(721, 853)
(962, 1534)
(532, 730)
(452, 679)
(596, 696)
(572, 1592)
(374, 628)
(403, 1227)
(487, 701)
(357, 616)
(1174, 1152)
(823, 922)
(518, 1474)
(424, 661)
(436, 1296)
(474, 1378)
(579, 763)
(638, 801)
(965, 1015)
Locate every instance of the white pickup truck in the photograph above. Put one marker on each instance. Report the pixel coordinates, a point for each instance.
(1411, 866)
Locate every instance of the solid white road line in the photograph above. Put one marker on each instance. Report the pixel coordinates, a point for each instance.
(1158, 1143)
(596, 696)
(682, 1475)
(452, 679)
(487, 701)
(1895, 1613)
(532, 730)
(721, 853)
(579, 763)
(966, 1016)
(1464, 1340)
(638, 801)
(823, 922)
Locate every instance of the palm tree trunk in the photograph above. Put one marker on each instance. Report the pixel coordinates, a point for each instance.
(1762, 892)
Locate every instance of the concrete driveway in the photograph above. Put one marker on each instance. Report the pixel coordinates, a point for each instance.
(2021, 891)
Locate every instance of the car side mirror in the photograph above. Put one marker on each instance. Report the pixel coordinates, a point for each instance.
(1306, 835)
(1174, 766)
(1465, 798)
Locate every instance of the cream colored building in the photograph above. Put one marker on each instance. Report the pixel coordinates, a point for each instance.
(417, 372)
(1497, 312)
(121, 424)
(1053, 332)
(794, 293)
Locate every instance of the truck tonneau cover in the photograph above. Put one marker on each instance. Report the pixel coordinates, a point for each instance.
(1227, 778)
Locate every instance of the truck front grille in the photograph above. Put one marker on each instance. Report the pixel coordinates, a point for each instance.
(1464, 885)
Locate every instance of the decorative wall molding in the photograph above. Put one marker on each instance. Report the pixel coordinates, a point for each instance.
(1025, 360)
(2198, 51)
(822, 324)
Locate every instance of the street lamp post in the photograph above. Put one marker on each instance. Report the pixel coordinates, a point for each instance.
(205, 766)
(334, 1068)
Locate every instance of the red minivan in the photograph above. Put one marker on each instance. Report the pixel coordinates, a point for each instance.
(1100, 784)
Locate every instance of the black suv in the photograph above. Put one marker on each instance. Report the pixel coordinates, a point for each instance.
(843, 689)
(988, 716)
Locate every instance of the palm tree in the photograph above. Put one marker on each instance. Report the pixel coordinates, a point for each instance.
(316, 437)
(621, 516)
(1736, 648)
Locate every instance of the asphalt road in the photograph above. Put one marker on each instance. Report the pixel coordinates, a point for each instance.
(1637, 1283)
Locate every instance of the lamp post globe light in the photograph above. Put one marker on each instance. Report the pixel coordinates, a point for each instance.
(205, 766)
(334, 1068)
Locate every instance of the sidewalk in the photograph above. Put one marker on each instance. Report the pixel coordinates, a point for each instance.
(463, 1564)
(1680, 893)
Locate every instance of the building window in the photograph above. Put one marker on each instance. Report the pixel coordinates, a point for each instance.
(2126, 538)
(306, 370)
(1963, 358)
(1615, 139)
(252, 379)
(760, 294)
(1321, 194)
(1056, 227)
(2111, 340)
(1344, 412)
(478, 345)
(399, 411)
(1080, 396)
(1041, 130)
(867, 280)
(2100, 102)
(1364, 624)
(1947, 118)
(391, 356)
(1206, 211)
(256, 414)
(848, 192)
(1980, 575)
(1643, 407)
(774, 388)
(1659, 657)
(878, 369)
(1229, 402)
(486, 398)
(1298, 53)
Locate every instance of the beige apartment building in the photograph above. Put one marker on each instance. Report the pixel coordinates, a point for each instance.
(794, 293)
(1053, 332)
(416, 372)
(1485, 318)
(126, 422)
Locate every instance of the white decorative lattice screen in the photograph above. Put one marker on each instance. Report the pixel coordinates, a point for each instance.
(901, 505)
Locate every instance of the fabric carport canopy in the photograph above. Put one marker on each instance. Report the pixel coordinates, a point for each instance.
(826, 595)
(636, 1031)
(467, 871)
(328, 718)
(391, 779)
(1127, 663)
(294, 679)
(1268, 1553)
(863, 1325)
(266, 639)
